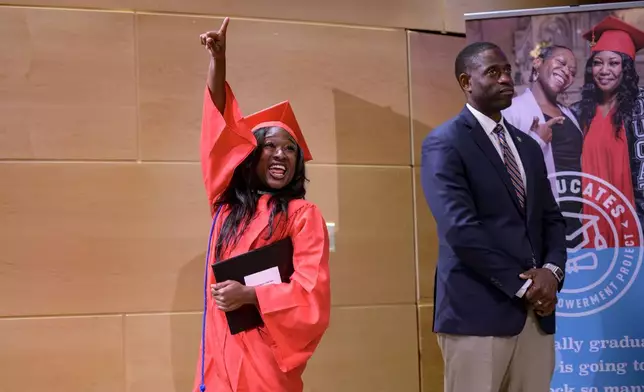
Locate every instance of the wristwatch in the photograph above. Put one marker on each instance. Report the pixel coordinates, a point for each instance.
(555, 270)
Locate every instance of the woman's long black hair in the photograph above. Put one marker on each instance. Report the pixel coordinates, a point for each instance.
(627, 93)
(243, 192)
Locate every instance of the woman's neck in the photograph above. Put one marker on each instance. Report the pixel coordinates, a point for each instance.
(607, 104)
(261, 188)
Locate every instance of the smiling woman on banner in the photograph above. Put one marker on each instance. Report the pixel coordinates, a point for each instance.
(254, 173)
(539, 113)
(610, 98)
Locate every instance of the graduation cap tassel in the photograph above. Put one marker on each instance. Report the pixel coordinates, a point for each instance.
(202, 386)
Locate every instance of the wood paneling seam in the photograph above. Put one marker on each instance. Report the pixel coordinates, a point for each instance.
(208, 16)
(412, 141)
(137, 90)
(412, 149)
(271, 20)
(183, 162)
(85, 9)
(187, 312)
(124, 351)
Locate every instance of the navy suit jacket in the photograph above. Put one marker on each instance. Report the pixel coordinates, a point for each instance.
(485, 239)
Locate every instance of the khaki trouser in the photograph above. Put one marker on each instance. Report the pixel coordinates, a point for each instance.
(522, 363)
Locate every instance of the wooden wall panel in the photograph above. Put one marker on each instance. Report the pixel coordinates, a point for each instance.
(367, 349)
(144, 227)
(348, 86)
(435, 98)
(433, 15)
(100, 238)
(82, 4)
(374, 232)
(67, 87)
(435, 94)
(427, 244)
(162, 351)
(387, 13)
(62, 354)
(431, 359)
(419, 14)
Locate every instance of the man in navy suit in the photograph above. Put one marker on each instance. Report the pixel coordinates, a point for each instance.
(502, 249)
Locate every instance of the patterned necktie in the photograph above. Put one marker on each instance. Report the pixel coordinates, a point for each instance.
(511, 165)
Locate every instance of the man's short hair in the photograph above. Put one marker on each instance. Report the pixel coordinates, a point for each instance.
(467, 57)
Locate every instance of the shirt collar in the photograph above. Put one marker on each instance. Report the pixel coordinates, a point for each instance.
(487, 123)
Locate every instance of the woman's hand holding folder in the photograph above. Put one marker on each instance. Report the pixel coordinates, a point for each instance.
(231, 295)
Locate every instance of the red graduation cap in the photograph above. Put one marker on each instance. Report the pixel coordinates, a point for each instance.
(280, 115)
(615, 35)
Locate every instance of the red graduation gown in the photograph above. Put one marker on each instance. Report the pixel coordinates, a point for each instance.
(296, 314)
(607, 157)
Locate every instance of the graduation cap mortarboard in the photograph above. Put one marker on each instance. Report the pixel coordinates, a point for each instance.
(279, 115)
(615, 35)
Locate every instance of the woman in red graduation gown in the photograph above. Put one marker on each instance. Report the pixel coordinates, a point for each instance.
(253, 170)
(609, 100)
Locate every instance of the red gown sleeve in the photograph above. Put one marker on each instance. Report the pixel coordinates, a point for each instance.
(296, 314)
(224, 143)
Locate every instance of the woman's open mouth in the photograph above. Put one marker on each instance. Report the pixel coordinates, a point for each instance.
(560, 79)
(277, 171)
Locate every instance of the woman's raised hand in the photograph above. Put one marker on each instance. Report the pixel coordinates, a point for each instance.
(215, 41)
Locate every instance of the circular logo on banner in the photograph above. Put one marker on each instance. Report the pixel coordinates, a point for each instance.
(604, 242)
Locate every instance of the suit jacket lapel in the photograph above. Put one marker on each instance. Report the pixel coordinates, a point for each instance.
(483, 141)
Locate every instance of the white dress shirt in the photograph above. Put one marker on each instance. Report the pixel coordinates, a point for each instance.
(488, 126)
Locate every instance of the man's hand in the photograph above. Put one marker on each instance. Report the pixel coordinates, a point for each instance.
(231, 295)
(215, 41)
(542, 293)
(545, 308)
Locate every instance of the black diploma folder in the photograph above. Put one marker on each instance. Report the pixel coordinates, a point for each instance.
(278, 254)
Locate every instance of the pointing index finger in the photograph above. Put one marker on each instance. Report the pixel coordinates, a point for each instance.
(224, 26)
(557, 120)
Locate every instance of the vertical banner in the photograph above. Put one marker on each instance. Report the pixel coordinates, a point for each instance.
(579, 94)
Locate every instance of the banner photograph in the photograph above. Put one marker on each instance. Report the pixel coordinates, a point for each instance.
(580, 96)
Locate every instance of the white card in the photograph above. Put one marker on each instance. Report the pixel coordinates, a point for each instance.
(262, 278)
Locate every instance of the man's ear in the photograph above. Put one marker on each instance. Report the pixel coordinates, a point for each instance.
(464, 82)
